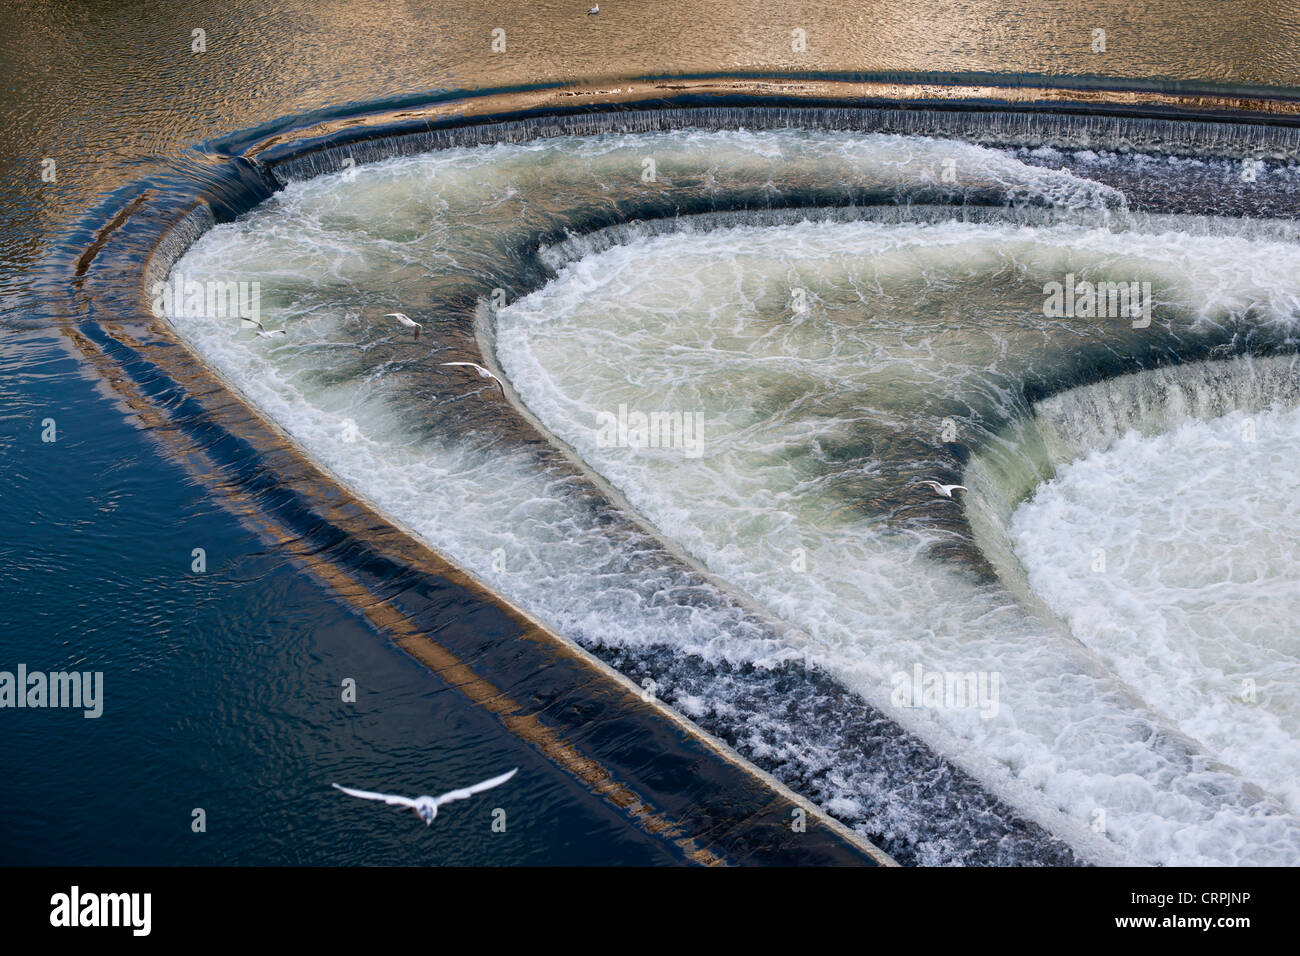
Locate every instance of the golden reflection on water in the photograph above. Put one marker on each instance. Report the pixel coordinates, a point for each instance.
(1247, 43)
(97, 84)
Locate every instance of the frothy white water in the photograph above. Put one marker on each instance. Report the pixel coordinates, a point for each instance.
(805, 407)
(799, 410)
(1174, 557)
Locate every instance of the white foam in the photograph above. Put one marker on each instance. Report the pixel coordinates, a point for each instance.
(697, 323)
(792, 403)
(1174, 558)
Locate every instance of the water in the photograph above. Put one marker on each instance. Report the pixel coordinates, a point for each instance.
(224, 695)
(1170, 556)
(824, 354)
(223, 691)
(807, 420)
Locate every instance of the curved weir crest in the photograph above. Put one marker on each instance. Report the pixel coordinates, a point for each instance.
(922, 305)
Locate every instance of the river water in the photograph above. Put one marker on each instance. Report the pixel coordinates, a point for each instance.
(825, 355)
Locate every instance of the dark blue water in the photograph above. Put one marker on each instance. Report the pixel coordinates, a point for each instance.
(223, 689)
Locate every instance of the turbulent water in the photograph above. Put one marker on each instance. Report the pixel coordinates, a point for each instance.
(815, 323)
(1172, 557)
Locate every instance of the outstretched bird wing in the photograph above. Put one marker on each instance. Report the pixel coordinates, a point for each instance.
(477, 788)
(389, 798)
(483, 372)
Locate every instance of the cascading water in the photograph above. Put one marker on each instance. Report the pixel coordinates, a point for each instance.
(820, 320)
(1164, 541)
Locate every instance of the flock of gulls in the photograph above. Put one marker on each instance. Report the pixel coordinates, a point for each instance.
(406, 322)
(424, 806)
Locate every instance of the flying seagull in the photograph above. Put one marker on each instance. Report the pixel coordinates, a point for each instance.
(945, 490)
(427, 807)
(406, 320)
(483, 373)
(594, 10)
(261, 329)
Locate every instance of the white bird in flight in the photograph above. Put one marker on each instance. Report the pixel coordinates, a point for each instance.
(594, 10)
(945, 490)
(483, 373)
(424, 806)
(261, 329)
(406, 320)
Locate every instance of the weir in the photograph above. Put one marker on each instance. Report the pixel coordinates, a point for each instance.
(573, 706)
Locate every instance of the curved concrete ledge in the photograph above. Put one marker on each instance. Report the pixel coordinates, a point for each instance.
(965, 94)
